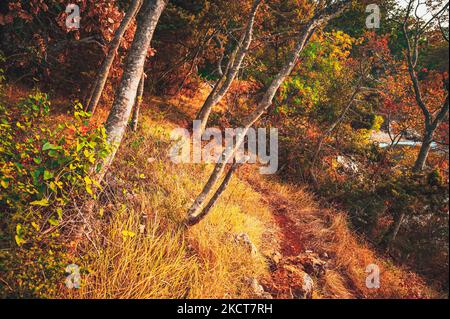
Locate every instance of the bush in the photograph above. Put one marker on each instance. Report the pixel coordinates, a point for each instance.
(43, 173)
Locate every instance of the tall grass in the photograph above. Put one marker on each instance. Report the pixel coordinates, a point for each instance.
(142, 250)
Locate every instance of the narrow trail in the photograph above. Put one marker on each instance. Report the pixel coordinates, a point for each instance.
(291, 241)
(287, 278)
(304, 241)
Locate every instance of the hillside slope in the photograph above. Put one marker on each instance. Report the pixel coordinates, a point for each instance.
(259, 241)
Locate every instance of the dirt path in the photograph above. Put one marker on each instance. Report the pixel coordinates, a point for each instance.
(291, 241)
(294, 263)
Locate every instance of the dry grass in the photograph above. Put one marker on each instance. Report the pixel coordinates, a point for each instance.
(139, 249)
(327, 231)
(147, 191)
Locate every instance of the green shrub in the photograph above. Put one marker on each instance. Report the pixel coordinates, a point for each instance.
(43, 173)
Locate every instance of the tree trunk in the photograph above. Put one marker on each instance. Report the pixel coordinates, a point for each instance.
(330, 130)
(234, 64)
(102, 76)
(126, 93)
(318, 20)
(215, 197)
(424, 150)
(137, 104)
(412, 55)
(394, 231)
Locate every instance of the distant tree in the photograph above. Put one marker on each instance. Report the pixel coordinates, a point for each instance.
(414, 29)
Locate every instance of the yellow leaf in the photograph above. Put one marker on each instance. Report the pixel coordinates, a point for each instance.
(59, 211)
(4, 184)
(127, 233)
(89, 190)
(42, 202)
(19, 240)
(53, 186)
(87, 180)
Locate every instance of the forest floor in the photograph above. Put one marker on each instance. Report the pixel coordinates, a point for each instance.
(296, 248)
(318, 243)
(311, 252)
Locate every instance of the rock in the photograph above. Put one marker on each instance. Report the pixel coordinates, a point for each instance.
(301, 284)
(273, 259)
(308, 285)
(244, 240)
(276, 257)
(309, 262)
(259, 290)
(347, 164)
(292, 277)
(411, 134)
(312, 264)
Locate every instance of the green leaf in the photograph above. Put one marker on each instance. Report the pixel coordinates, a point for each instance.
(4, 183)
(53, 222)
(19, 235)
(53, 153)
(49, 146)
(19, 240)
(59, 211)
(47, 175)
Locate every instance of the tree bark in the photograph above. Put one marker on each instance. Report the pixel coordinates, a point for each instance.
(427, 140)
(102, 76)
(321, 18)
(412, 56)
(234, 64)
(394, 231)
(419, 165)
(126, 93)
(198, 218)
(137, 104)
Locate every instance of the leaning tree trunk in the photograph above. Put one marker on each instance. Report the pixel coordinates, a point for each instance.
(393, 232)
(234, 65)
(102, 76)
(196, 219)
(228, 153)
(430, 130)
(137, 104)
(194, 212)
(424, 151)
(134, 66)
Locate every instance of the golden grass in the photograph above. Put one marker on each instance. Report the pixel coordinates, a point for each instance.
(328, 231)
(146, 190)
(139, 249)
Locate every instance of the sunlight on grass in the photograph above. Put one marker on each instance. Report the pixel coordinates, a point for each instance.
(144, 252)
